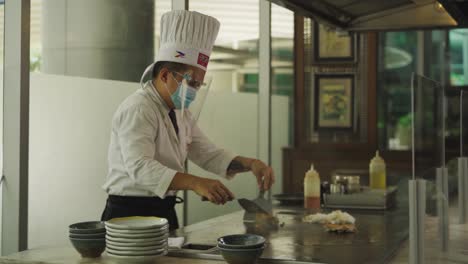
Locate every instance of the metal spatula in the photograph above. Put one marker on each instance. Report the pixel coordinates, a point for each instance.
(259, 205)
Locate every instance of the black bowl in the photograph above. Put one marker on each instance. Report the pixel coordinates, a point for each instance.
(91, 227)
(241, 256)
(241, 241)
(87, 236)
(89, 248)
(240, 247)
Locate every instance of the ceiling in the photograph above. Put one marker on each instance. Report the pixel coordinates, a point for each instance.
(373, 15)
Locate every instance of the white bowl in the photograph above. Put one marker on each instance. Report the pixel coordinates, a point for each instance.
(136, 248)
(154, 240)
(137, 244)
(136, 222)
(141, 235)
(138, 231)
(136, 259)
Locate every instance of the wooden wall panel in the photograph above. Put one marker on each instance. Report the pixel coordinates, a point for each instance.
(328, 157)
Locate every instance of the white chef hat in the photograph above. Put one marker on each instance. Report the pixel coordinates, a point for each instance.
(186, 37)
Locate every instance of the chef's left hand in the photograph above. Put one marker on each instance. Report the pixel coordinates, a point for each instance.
(263, 173)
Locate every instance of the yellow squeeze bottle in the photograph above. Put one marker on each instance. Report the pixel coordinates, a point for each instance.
(377, 173)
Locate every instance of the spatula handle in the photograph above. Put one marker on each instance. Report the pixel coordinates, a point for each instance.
(262, 190)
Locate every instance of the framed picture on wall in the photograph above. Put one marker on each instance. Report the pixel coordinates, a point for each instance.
(332, 47)
(334, 101)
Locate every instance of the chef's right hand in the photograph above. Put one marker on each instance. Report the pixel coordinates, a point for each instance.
(213, 191)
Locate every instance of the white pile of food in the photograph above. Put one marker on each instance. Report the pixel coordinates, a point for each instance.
(336, 221)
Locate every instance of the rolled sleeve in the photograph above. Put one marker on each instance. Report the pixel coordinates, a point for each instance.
(225, 162)
(164, 183)
(136, 130)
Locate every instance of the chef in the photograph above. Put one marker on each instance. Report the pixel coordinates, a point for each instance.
(154, 133)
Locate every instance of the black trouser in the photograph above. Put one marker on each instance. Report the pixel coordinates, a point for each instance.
(122, 206)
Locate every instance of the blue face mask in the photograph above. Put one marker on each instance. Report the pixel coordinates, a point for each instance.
(190, 92)
(190, 95)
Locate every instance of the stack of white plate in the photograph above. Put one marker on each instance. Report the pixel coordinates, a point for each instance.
(137, 238)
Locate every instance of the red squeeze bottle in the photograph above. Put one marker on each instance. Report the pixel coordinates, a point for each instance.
(312, 189)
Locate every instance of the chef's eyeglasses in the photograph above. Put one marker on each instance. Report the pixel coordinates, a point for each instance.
(190, 81)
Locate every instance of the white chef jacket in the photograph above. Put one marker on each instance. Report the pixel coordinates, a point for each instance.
(145, 152)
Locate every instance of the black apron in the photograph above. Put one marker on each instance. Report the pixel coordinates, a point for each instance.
(123, 206)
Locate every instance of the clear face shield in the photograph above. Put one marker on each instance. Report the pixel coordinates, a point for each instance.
(191, 94)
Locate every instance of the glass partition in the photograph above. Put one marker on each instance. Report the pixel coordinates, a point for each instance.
(428, 124)
(446, 233)
(429, 145)
(457, 170)
(398, 58)
(431, 208)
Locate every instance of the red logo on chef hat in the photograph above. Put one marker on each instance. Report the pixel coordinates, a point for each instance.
(203, 59)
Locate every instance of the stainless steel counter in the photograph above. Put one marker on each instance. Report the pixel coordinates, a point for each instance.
(377, 239)
(379, 235)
